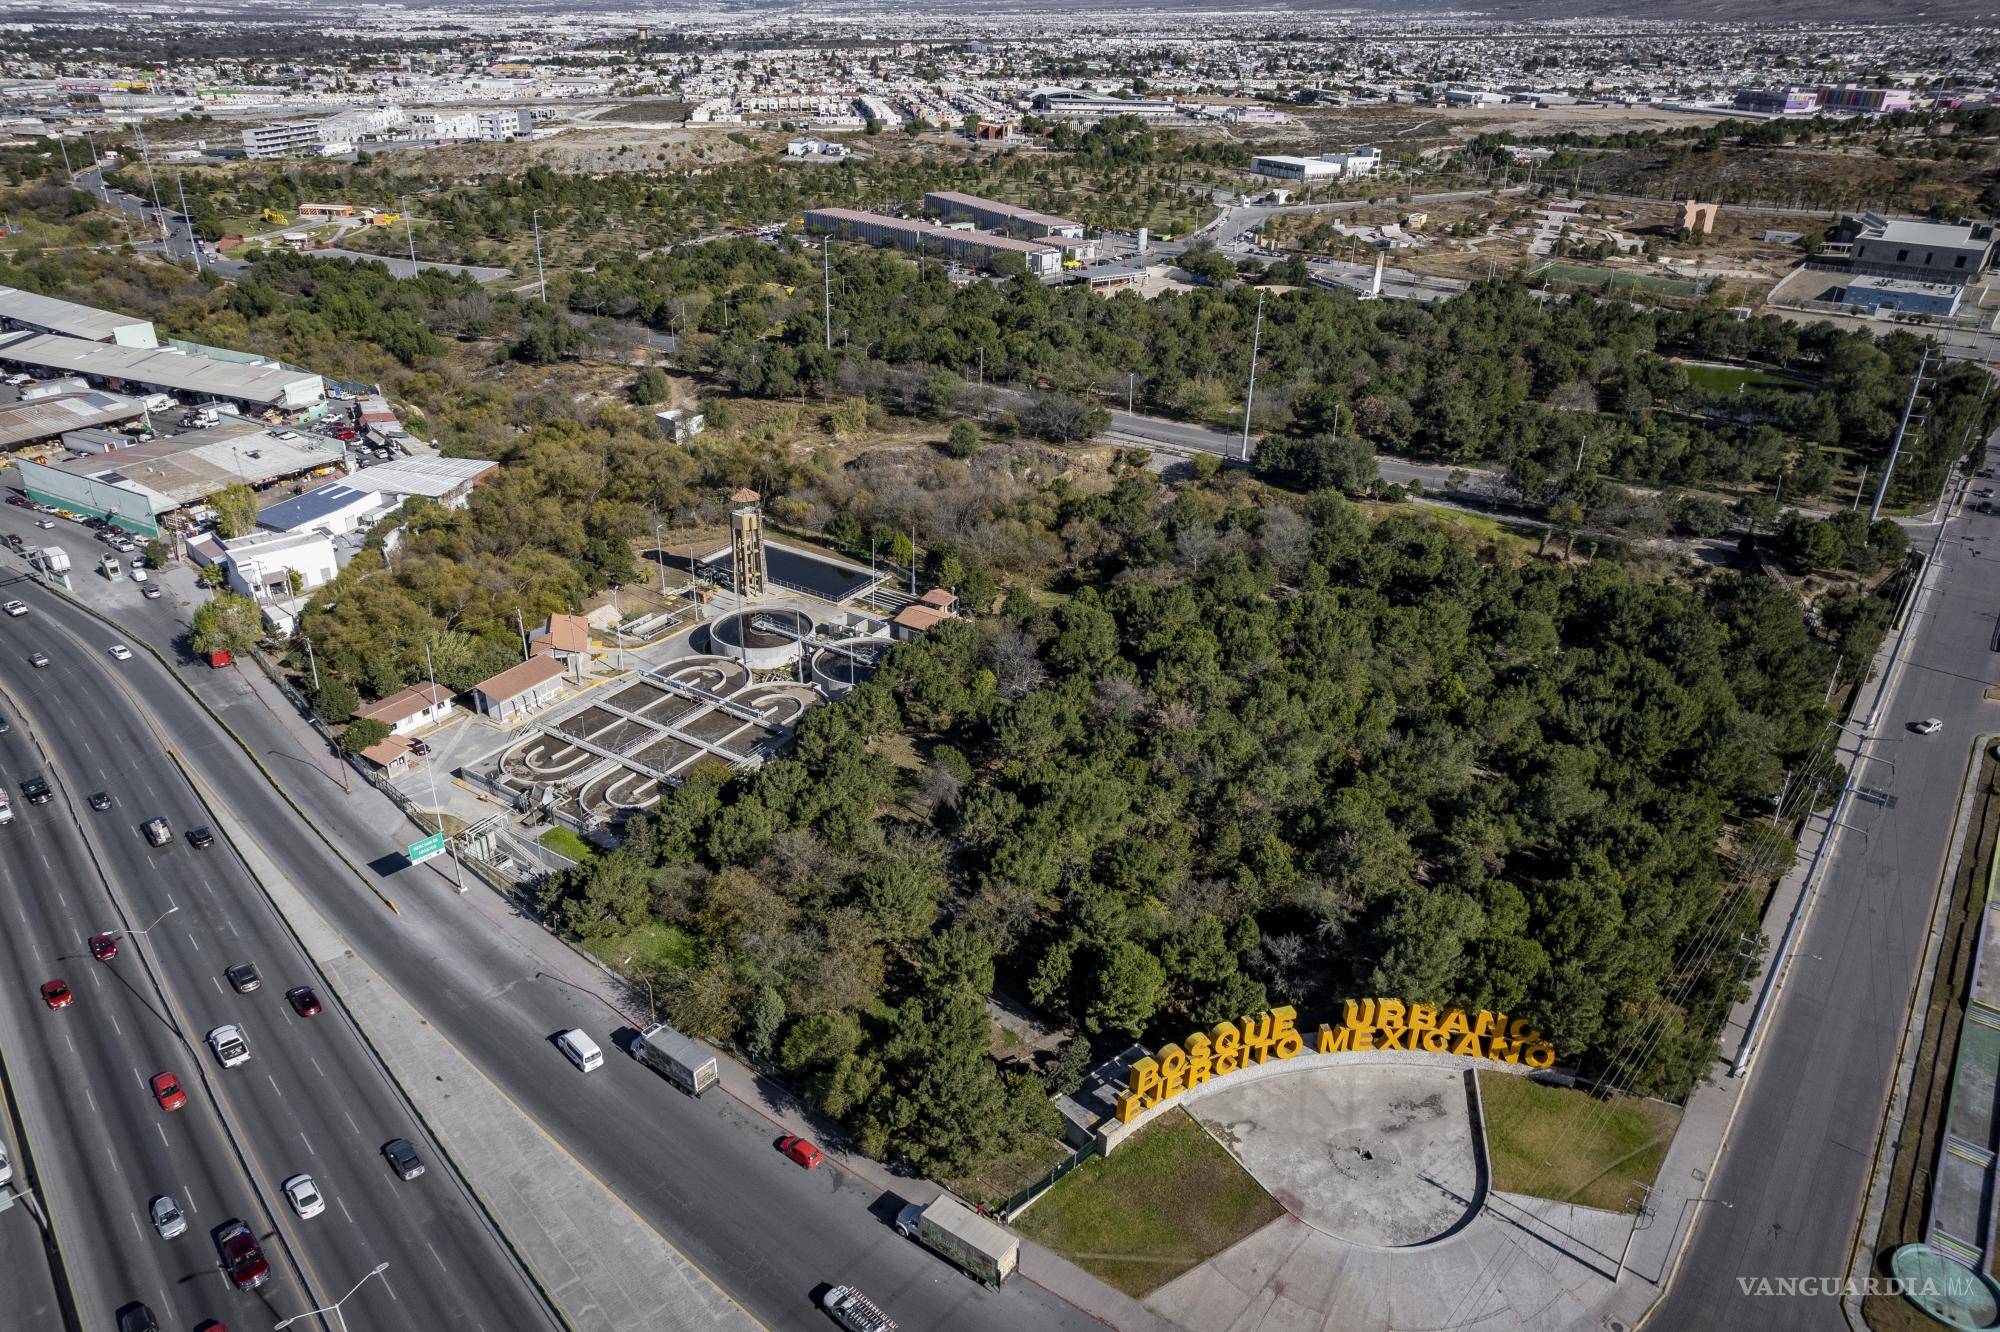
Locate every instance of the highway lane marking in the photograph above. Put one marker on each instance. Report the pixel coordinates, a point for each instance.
(309, 1145)
(114, 1024)
(434, 1257)
(163, 1135)
(63, 898)
(316, 1068)
(190, 1197)
(70, 1043)
(136, 1226)
(391, 1289)
(87, 1096)
(343, 1210)
(350, 1123)
(195, 942)
(216, 983)
(274, 1086)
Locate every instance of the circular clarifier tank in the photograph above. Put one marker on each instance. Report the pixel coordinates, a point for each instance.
(853, 663)
(764, 639)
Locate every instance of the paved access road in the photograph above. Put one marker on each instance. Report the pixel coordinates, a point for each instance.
(703, 1173)
(1798, 1156)
(311, 1100)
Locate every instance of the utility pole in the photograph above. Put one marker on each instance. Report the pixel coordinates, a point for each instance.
(913, 559)
(1131, 379)
(826, 291)
(194, 246)
(159, 213)
(541, 278)
(523, 630)
(63, 144)
(457, 871)
(1644, 1211)
(661, 551)
(1889, 468)
(1249, 398)
(409, 233)
(311, 662)
(1859, 486)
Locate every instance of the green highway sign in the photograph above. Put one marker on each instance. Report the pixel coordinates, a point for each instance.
(423, 850)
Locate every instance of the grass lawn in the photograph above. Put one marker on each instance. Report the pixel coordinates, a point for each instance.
(1552, 1142)
(566, 843)
(999, 1179)
(654, 944)
(1729, 378)
(1614, 279)
(1170, 1198)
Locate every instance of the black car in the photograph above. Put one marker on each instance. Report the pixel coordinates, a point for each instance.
(136, 1317)
(5, 726)
(402, 1158)
(100, 800)
(200, 836)
(243, 977)
(37, 791)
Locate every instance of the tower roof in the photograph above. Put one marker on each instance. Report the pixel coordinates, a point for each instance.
(745, 496)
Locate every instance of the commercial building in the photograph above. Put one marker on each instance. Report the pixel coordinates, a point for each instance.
(1879, 294)
(813, 147)
(510, 123)
(334, 509)
(1777, 101)
(1869, 101)
(25, 310)
(135, 487)
(448, 481)
(1878, 246)
(1280, 166)
(42, 419)
(289, 138)
(994, 215)
(928, 238)
(1069, 104)
(411, 710)
(255, 385)
(261, 565)
(519, 690)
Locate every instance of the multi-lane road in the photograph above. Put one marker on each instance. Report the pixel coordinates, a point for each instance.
(702, 1173)
(1804, 1137)
(311, 1100)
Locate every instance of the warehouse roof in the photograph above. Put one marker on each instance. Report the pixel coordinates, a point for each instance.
(45, 418)
(182, 371)
(981, 238)
(315, 504)
(184, 468)
(66, 317)
(1027, 215)
(429, 477)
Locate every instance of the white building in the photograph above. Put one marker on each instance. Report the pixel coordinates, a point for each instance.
(334, 509)
(445, 124)
(680, 424)
(1331, 166)
(260, 566)
(45, 314)
(287, 138)
(411, 710)
(512, 123)
(448, 481)
(811, 147)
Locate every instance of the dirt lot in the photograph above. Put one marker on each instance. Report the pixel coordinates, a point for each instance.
(592, 151)
(1401, 127)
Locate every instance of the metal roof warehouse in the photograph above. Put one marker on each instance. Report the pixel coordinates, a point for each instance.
(163, 369)
(46, 314)
(45, 418)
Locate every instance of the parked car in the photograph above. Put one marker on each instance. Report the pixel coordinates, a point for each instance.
(801, 1151)
(402, 1158)
(168, 1092)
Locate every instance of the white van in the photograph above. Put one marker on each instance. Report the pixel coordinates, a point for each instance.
(582, 1051)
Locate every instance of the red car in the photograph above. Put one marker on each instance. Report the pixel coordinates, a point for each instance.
(103, 947)
(801, 1151)
(304, 1002)
(242, 1257)
(167, 1091)
(56, 993)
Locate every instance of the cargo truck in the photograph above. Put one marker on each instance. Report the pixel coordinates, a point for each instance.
(681, 1060)
(985, 1249)
(51, 560)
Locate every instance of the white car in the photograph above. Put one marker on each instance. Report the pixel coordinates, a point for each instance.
(1929, 726)
(229, 1046)
(167, 1217)
(119, 652)
(45, 523)
(138, 574)
(304, 1196)
(16, 608)
(151, 592)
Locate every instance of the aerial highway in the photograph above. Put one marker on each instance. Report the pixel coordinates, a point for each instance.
(703, 1173)
(310, 1100)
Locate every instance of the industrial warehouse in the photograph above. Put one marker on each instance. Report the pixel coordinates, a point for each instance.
(928, 238)
(254, 385)
(951, 206)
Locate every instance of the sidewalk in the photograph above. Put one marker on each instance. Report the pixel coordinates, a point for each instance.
(602, 1266)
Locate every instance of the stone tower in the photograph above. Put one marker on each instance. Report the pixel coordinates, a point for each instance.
(746, 544)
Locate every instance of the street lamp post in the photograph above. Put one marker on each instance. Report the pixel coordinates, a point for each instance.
(155, 923)
(333, 1308)
(541, 278)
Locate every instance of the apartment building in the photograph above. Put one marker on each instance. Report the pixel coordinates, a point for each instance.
(928, 238)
